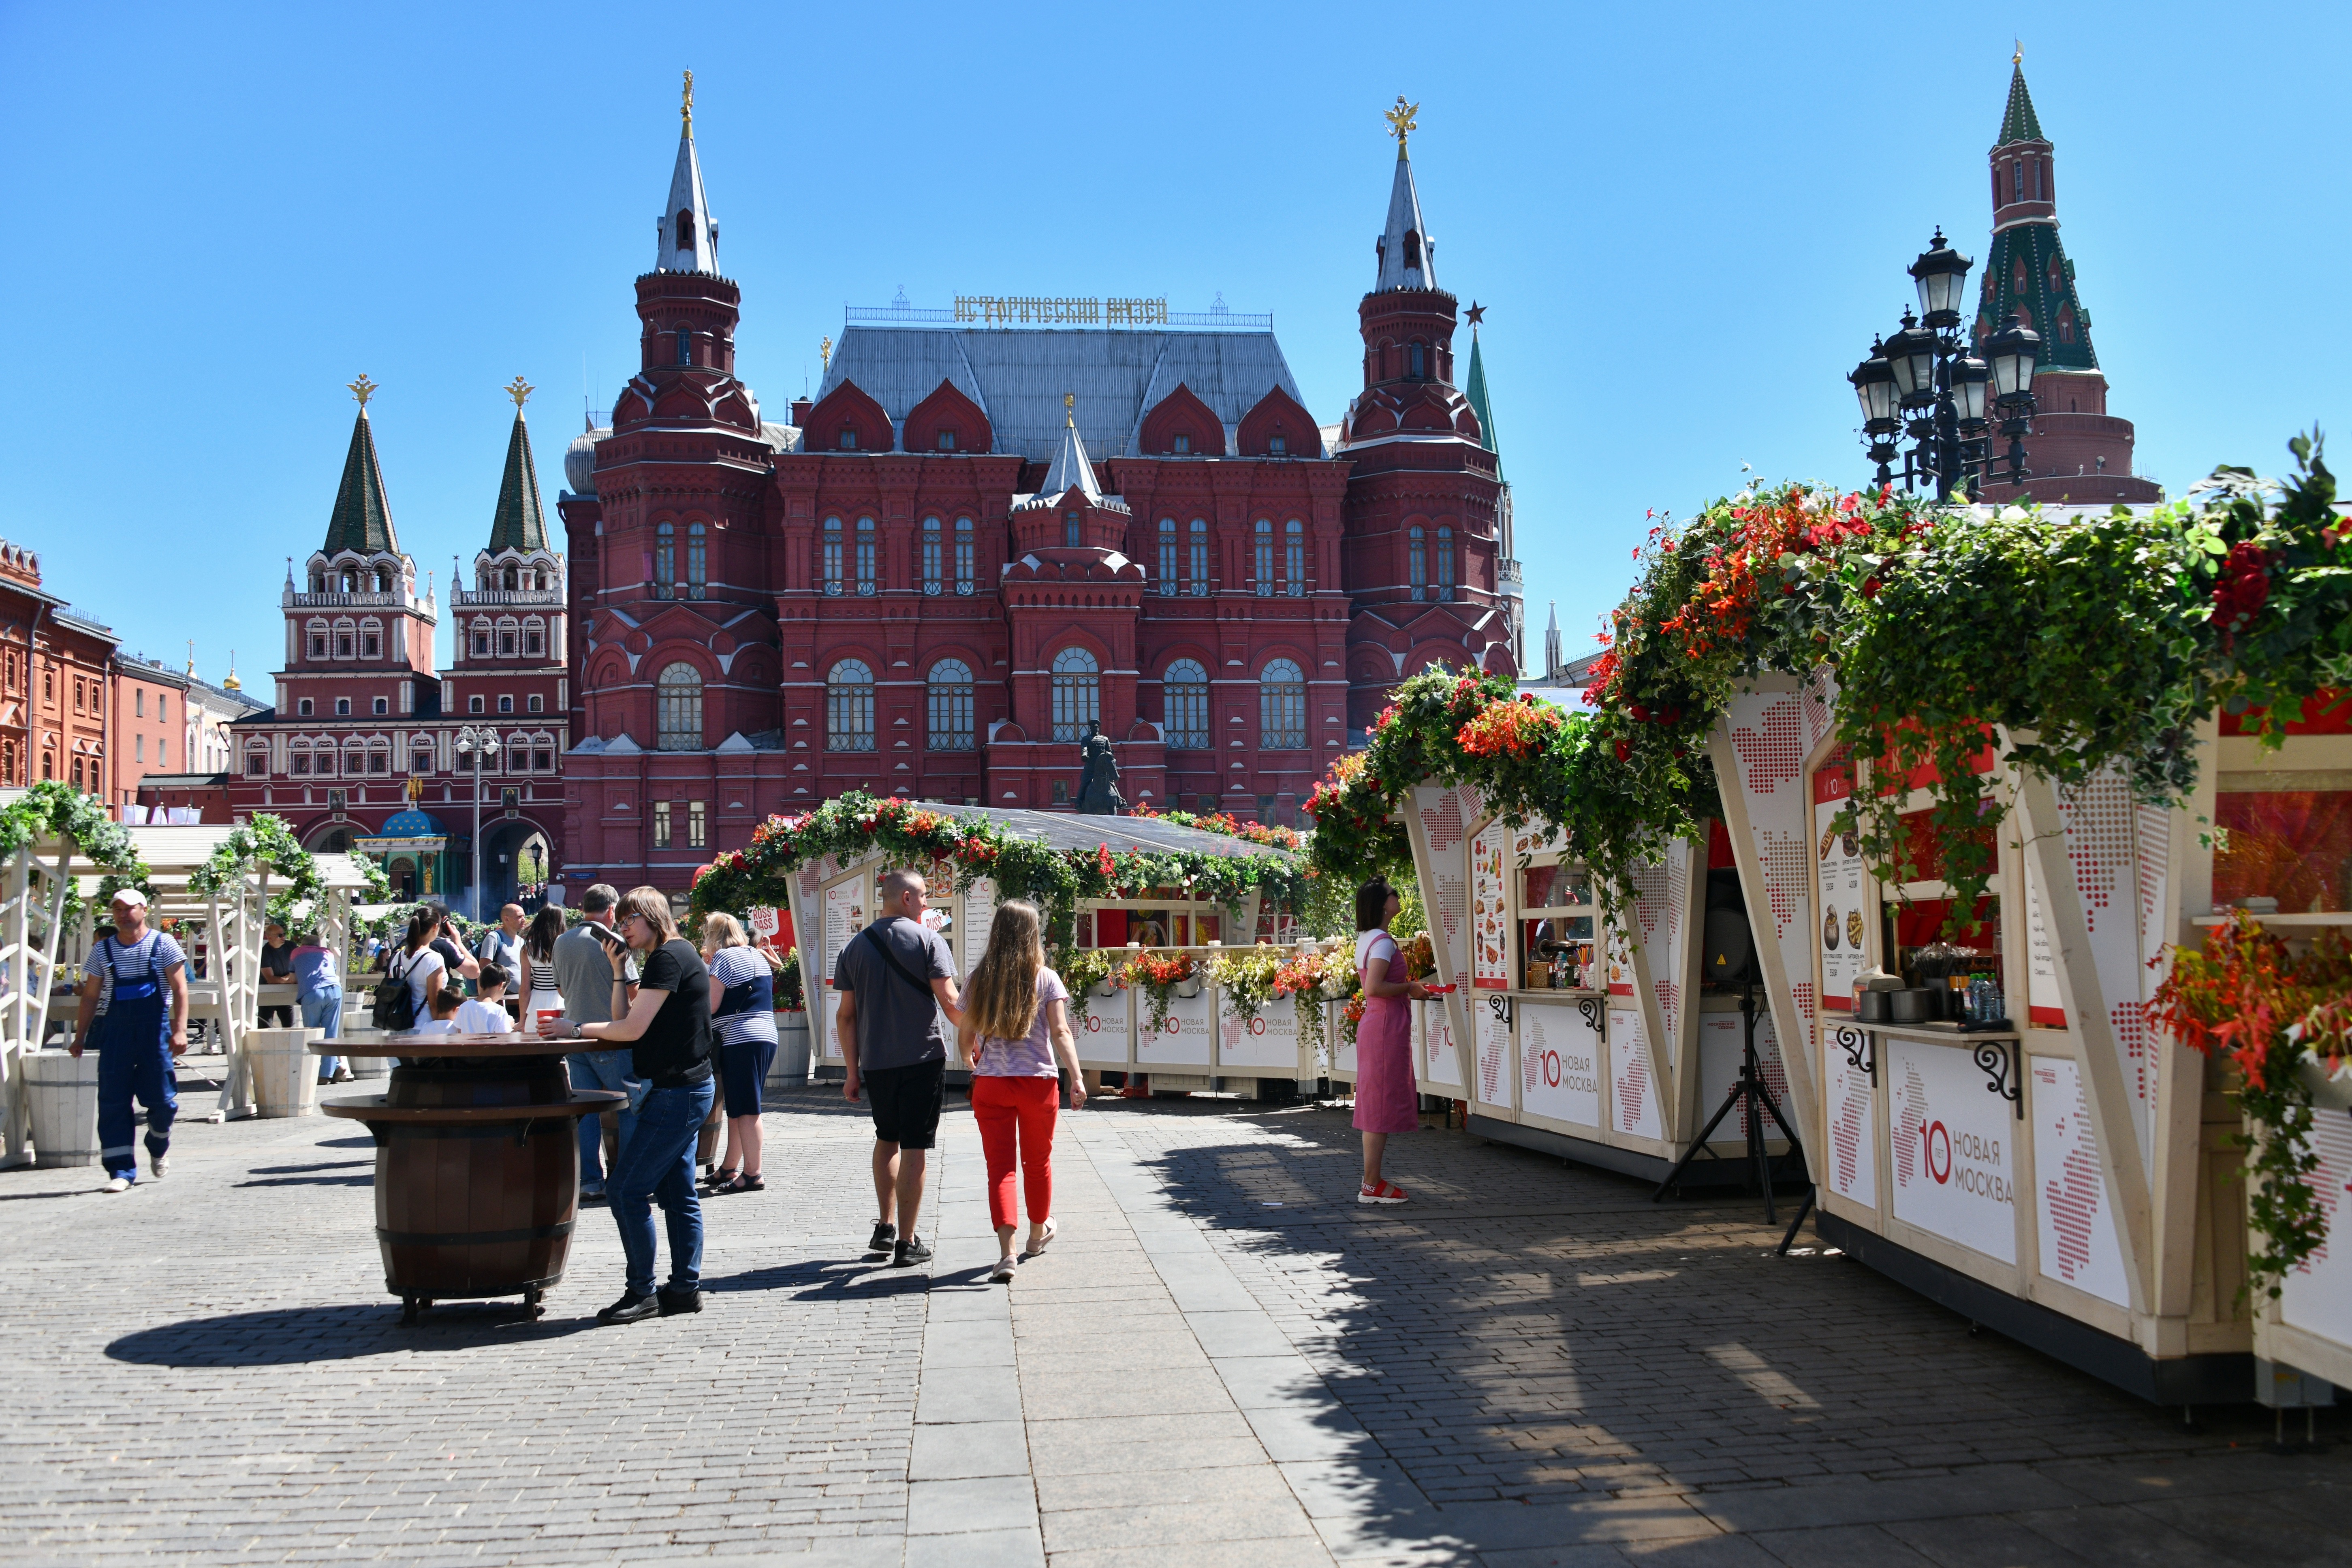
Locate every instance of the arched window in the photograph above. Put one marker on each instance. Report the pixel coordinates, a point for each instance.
(1420, 357)
(383, 579)
(1262, 564)
(379, 758)
(848, 438)
(1181, 445)
(830, 567)
(1185, 692)
(685, 346)
(1294, 558)
(685, 228)
(865, 555)
(1417, 562)
(256, 764)
(664, 559)
(849, 707)
(507, 631)
(950, 718)
(967, 564)
(933, 550)
(1200, 561)
(1078, 693)
(697, 560)
(342, 707)
(1071, 529)
(1445, 564)
(679, 699)
(534, 636)
(1281, 706)
(508, 579)
(1167, 555)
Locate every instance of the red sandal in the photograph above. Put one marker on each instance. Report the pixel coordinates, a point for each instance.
(1387, 1193)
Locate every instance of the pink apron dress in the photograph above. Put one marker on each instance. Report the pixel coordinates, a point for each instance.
(1385, 1093)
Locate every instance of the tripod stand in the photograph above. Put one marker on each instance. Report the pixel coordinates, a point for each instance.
(1751, 1090)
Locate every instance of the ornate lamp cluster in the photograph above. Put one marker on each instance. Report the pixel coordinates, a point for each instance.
(1927, 383)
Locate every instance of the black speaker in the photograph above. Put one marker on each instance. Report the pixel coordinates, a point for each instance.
(1729, 958)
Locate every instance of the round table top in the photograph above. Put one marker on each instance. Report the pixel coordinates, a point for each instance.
(417, 1044)
(371, 1108)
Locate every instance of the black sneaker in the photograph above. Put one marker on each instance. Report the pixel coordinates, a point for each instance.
(884, 1236)
(910, 1252)
(629, 1309)
(674, 1302)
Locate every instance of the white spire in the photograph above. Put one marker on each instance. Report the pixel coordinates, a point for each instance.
(1553, 663)
(686, 240)
(1408, 256)
(1070, 466)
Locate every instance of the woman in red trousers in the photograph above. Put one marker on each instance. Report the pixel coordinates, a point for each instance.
(1016, 1022)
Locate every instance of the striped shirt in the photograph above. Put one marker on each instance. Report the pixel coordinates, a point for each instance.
(154, 956)
(733, 967)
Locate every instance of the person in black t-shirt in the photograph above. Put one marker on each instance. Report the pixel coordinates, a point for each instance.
(668, 1026)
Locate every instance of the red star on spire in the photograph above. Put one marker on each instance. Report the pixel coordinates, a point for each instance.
(1477, 313)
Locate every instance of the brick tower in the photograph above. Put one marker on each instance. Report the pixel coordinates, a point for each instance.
(1420, 512)
(2078, 452)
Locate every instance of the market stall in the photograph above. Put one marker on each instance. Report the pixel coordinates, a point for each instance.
(1114, 891)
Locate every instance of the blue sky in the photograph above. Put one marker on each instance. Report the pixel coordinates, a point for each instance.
(1688, 222)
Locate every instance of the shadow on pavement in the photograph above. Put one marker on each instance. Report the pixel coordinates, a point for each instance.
(296, 1336)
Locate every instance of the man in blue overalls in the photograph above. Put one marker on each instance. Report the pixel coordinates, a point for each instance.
(139, 1041)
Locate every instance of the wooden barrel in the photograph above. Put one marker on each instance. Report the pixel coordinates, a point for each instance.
(475, 1208)
(61, 1090)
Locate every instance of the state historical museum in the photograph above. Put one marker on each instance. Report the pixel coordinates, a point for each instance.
(976, 540)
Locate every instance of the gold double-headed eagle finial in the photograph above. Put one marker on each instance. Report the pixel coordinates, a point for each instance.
(825, 352)
(686, 110)
(1401, 121)
(519, 390)
(361, 389)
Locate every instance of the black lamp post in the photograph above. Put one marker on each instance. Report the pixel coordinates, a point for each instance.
(1926, 383)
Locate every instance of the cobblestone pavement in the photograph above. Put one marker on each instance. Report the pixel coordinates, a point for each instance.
(1221, 1355)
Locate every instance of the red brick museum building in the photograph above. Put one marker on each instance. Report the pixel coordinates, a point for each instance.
(976, 539)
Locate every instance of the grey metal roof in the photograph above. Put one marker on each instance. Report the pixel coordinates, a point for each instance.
(1018, 376)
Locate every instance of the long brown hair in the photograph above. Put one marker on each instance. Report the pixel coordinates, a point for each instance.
(1002, 1002)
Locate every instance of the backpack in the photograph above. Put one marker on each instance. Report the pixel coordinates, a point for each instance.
(394, 1008)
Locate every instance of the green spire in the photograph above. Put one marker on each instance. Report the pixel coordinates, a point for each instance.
(2017, 121)
(1475, 388)
(362, 518)
(519, 524)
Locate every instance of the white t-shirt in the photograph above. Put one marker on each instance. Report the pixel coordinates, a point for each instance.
(476, 1016)
(1370, 947)
(423, 971)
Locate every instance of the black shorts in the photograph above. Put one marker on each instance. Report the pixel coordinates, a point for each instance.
(905, 1102)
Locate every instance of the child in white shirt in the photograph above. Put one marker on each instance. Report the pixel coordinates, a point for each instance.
(445, 1005)
(486, 1013)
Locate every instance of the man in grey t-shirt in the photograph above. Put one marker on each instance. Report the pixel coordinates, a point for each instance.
(896, 979)
(583, 977)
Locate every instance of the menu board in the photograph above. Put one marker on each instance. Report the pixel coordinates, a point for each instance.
(1491, 1017)
(1102, 1035)
(978, 915)
(1184, 1038)
(1267, 1040)
(845, 917)
(1559, 1060)
(1434, 1035)
(1955, 1148)
(1490, 910)
(2077, 1244)
(1632, 1098)
(1845, 931)
(2044, 1009)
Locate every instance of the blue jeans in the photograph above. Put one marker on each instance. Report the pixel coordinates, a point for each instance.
(656, 1163)
(602, 1069)
(325, 1011)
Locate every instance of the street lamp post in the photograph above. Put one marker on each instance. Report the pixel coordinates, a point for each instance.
(481, 745)
(1927, 383)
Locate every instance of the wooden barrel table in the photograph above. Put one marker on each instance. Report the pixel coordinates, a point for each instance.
(477, 1164)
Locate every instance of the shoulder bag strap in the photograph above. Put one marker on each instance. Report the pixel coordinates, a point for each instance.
(873, 933)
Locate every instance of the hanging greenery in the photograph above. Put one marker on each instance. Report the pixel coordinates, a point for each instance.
(1246, 978)
(909, 834)
(2279, 1017)
(1157, 975)
(49, 811)
(263, 841)
(1083, 968)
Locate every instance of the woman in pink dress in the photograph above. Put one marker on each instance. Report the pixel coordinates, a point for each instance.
(1386, 1100)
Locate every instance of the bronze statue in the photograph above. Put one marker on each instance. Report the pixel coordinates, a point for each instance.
(1099, 781)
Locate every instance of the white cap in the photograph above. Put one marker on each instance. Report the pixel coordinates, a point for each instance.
(132, 895)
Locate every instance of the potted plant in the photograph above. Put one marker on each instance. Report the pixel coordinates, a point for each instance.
(1160, 976)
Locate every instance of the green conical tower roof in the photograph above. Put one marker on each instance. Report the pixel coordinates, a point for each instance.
(1475, 388)
(519, 524)
(2017, 121)
(362, 518)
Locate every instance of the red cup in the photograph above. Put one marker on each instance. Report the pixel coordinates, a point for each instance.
(545, 1014)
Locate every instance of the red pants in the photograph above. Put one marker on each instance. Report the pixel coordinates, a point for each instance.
(1001, 1105)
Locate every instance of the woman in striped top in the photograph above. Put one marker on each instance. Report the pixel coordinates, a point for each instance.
(540, 991)
(742, 1009)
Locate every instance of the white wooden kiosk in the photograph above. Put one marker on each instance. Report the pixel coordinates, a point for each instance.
(1567, 1032)
(2071, 1183)
(1199, 1046)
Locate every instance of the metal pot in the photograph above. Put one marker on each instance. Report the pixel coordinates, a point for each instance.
(1917, 1004)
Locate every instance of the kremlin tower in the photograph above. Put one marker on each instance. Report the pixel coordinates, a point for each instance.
(2077, 452)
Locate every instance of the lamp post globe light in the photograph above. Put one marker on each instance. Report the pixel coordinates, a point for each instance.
(1927, 383)
(482, 746)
